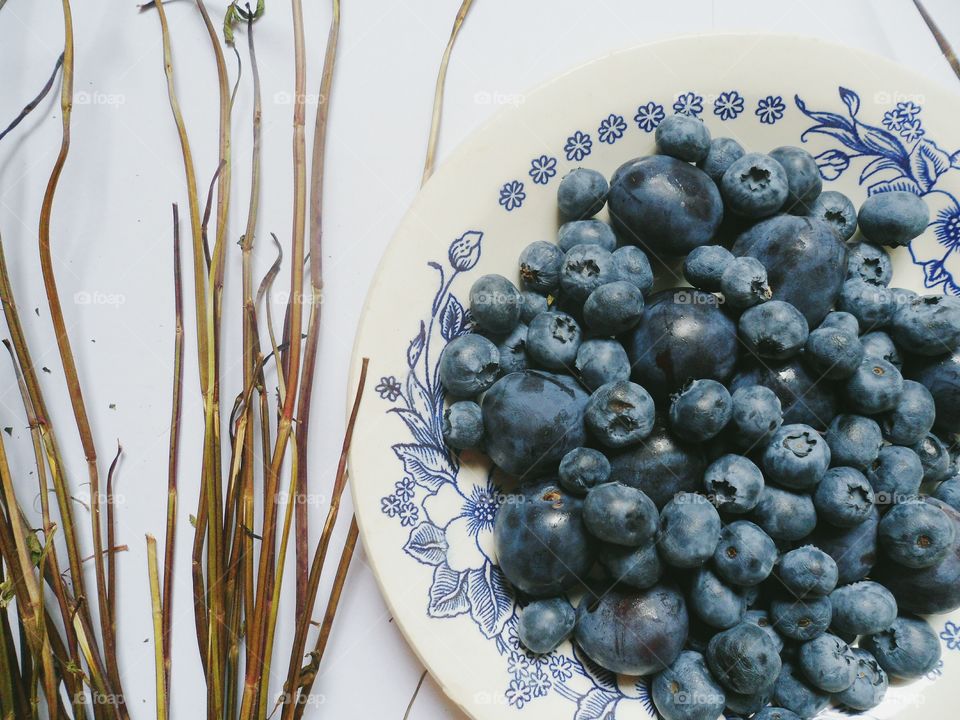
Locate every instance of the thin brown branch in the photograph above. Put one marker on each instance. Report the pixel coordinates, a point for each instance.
(940, 37)
(32, 105)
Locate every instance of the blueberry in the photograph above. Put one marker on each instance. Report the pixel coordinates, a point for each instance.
(532, 419)
(895, 475)
(540, 267)
(613, 308)
(687, 690)
(792, 692)
(761, 618)
(542, 546)
(872, 305)
(806, 261)
(837, 210)
(620, 514)
(941, 376)
(661, 466)
(584, 269)
(631, 264)
(863, 608)
(912, 417)
(869, 687)
(878, 344)
(808, 572)
(784, 515)
(869, 262)
(803, 619)
(701, 410)
(748, 704)
(544, 624)
(935, 458)
(756, 415)
(744, 658)
(722, 154)
(774, 330)
(513, 350)
(844, 498)
(638, 567)
(682, 335)
(755, 186)
(620, 414)
(744, 283)
(916, 534)
(553, 339)
(716, 603)
(949, 492)
(833, 353)
(602, 361)
(469, 365)
(664, 205)
(803, 397)
(633, 632)
(703, 267)
(893, 218)
(533, 304)
(495, 304)
(828, 663)
(689, 531)
(582, 469)
(853, 549)
(796, 457)
(463, 425)
(775, 713)
(907, 649)
(586, 232)
(874, 387)
(841, 321)
(733, 483)
(803, 178)
(928, 325)
(581, 193)
(854, 441)
(745, 555)
(683, 137)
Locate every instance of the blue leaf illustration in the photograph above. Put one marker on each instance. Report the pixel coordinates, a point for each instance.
(601, 677)
(448, 593)
(417, 426)
(851, 100)
(876, 165)
(416, 346)
(597, 704)
(879, 142)
(452, 319)
(427, 544)
(826, 119)
(429, 410)
(427, 465)
(902, 184)
(928, 162)
(490, 603)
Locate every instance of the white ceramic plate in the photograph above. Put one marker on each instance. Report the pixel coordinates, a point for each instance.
(426, 518)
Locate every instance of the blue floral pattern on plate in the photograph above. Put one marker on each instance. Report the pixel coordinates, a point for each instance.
(512, 195)
(611, 128)
(728, 105)
(578, 146)
(649, 116)
(689, 103)
(770, 109)
(542, 169)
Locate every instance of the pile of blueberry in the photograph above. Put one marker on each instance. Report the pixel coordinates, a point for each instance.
(734, 487)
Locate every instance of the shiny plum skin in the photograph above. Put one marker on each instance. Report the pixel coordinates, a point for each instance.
(532, 419)
(633, 632)
(682, 335)
(664, 205)
(805, 259)
(541, 543)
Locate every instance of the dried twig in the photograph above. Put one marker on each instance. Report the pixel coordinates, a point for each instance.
(941, 39)
(31, 106)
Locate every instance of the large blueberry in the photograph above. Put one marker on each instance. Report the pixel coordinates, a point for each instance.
(544, 624)
(870, 685)
(532, 419)
(912, 418)
(541, 543)
(664, 205)
(863, 608)
(783, 514)
(942, 378)
(687, 691)
(805, 259)
(907, 649)
(796, 457)
(689, 531)
(803, 177)
(803, 398)
(793, 692)
(682, 335)
(808, 571)
(633, 632)
(715, 602)
(837, 210)
(744, 658)
(829, 663)
(893, 218)
(639, 567)
(801, 619)
(854, 549)
(620, 514)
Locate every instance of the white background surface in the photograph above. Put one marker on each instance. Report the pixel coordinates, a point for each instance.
(111, 234)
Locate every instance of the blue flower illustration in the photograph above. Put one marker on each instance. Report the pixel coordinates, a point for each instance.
(518, 693)
(728, 105)
(539, 683)
(481, 508)
(770, 109)
(405, 489)
(892, 120)
(951, 636)
(649, 116)
(912, 130)
(390, 505)
(832, 163)
(561, 668)
(409, 514)
(946, 226)
(611, 129)
(688, 103)
(907, 110)
(389, 388)
(512, 195)
(464, 252)
(518, 663)
(578, 146)
(542, 169)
